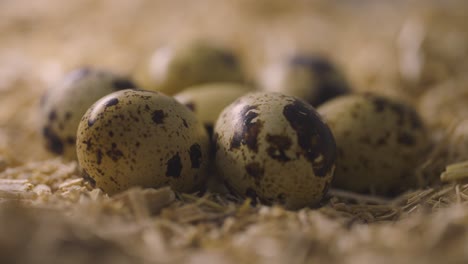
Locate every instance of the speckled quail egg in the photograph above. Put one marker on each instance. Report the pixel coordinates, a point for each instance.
(142, 138)
(380, 142)
(208, 100)
(309, 77)
(174, 68)
(275, 148)
(63, 105)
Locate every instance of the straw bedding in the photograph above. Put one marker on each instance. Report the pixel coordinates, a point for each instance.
(407, 49)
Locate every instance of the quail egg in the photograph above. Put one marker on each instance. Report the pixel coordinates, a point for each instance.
(380, 142)
(141, 138)
(312, 78)
(174, 68)
(63, 105)
(208, 100)
(275, 148)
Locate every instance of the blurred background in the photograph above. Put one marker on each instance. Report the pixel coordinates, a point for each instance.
(397, 48)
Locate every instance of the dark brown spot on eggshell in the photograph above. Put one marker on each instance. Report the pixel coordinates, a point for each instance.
(111, 102)
(147, 97)
(399, 109)
(53, 141)
(174, 166)
(313, 136)
(88, 144)
(256, 171)
(114, 181)
(184, 122)
(195, 155)
(247, 129)
(99, 157)
(158, 116)
(278, 145)
(114, 153)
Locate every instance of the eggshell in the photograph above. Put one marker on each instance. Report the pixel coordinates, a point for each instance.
(309, 77)
(174, 68)
(208, 100)
(142, 138)
(275, 148)
(380, 143)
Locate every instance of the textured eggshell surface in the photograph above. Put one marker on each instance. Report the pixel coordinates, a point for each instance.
(380, 143)
(275, 148)
(174, 68)
(308, 77)
(64, 104)
(142, 138)
(208, 100)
